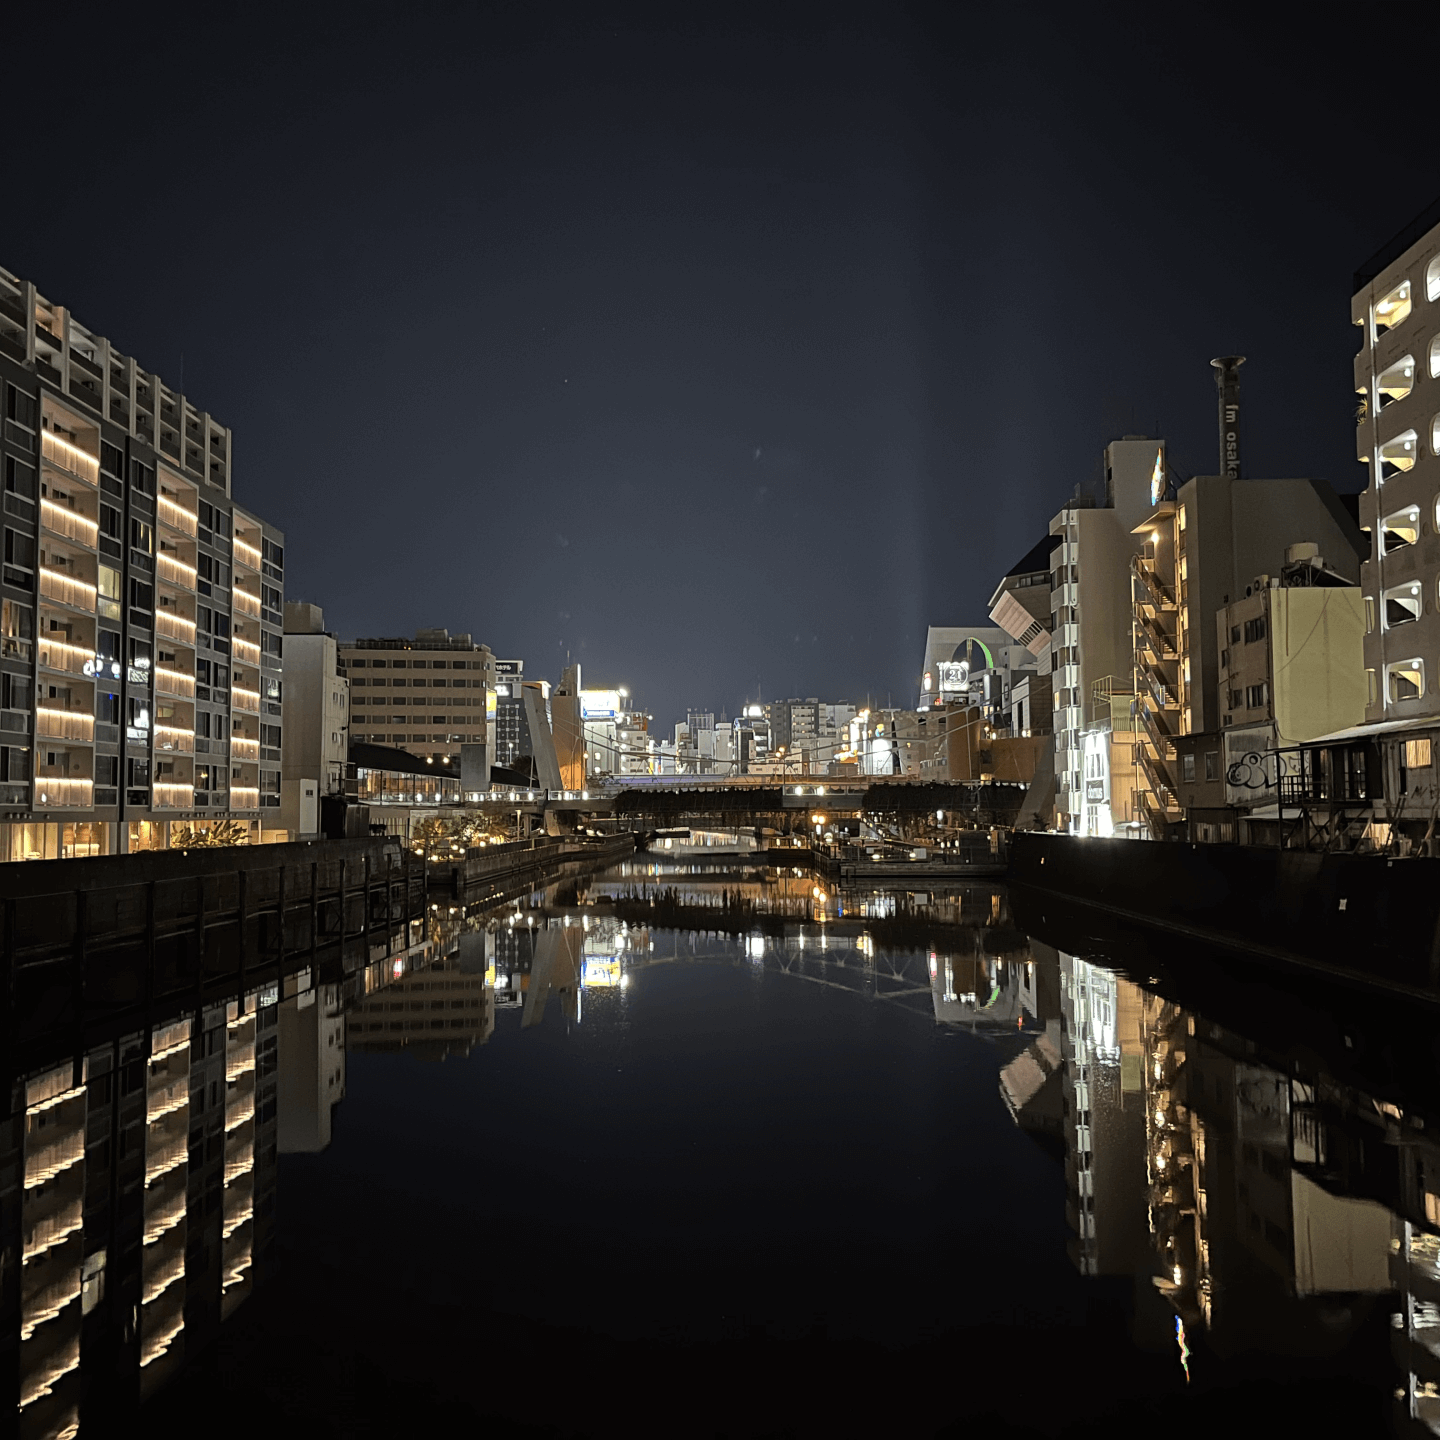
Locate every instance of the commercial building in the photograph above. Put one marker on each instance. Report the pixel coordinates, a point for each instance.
(140, 607)
(1021, 607)
(428, 695)
(973, 665)
(317, 721)
(512, 729)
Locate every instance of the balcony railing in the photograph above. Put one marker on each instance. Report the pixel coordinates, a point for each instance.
(70, 458)
(176, 571)
(244, 797)
(243, 749)
(64, 724)
(175, 515)
(171, 737)
(246, 699)
(173, 682)
(58, 790)
(67, 590)
(247, 650)
(245, 602)
(70, 523)
(246, 554)
(57, 655)
(171, 796)
(174, 627)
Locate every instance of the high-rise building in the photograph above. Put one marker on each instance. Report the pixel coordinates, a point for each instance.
(428, 695)
(512, 729)
(140, 607)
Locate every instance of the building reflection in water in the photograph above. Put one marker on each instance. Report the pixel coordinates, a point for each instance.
(147, 1202)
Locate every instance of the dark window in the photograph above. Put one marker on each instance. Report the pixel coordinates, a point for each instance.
(139, 654)
(111, 522)
(270, 643)
(112, 459)
(1212, 764)
(1187, 768)
(142, 477)
(107, 708)
(15, 692)
(14, 763)
(1254, 630)
(142, 537)
(107, 769)
(20, 407)
(107, 645)
(19, 551)
(270, 735)
(202, 672)
(1255, 696)
(142, 596)
(137, 773)
(19, 477)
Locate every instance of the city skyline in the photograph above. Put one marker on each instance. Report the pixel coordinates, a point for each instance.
(838, 289)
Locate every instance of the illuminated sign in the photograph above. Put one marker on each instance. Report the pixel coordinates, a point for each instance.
(1157, 481)
(954, 675)
(599, 704)
(490, 704)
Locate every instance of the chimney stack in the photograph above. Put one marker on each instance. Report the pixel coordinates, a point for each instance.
(1227, 382)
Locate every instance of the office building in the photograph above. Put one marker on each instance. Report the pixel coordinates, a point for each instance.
(317, 721)
(140, 607)
(428, 695)
(1021, 607)
(512, 729)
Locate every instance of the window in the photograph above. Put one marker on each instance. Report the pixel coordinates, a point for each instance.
(1255, 630)
(1212, 764)
(1393, 309)
(1400, 529)
(20, 407)
(142, 537)
(1371, 689)
(1404, 680)
(112, 459)
(1417, 754)
(1432, 279)
(1187, 768)
(1256, 696)
(111, 523)
(142, 597)
(1395, 382)
(19, 478)
(1234, 634)
(142, 477)
(1398, 455)
(1233, 700)
(15, 692)
(1402, 604)
(1369, 614)
(108, 592)
(19, 557)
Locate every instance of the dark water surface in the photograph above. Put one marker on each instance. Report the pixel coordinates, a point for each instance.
(689, 1151)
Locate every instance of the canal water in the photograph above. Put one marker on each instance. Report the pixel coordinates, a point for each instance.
(696, 1148)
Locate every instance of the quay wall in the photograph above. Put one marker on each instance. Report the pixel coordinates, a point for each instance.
(1360, 917)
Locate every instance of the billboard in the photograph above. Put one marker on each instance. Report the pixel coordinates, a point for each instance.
(599, 704)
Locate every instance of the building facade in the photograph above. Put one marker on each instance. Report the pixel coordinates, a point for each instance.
(317, 720)
(428, 695)
(140, 608)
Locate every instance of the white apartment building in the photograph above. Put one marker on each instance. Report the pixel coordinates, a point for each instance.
(317, 720)
(1090, 603)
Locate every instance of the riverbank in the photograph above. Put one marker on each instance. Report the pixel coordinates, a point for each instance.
(1364, 918)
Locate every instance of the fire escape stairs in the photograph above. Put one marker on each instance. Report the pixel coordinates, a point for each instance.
(1160, 596)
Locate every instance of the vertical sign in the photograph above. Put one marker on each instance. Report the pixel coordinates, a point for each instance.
(1227, 382)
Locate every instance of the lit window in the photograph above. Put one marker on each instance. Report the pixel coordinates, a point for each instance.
(1395, 382)
(1369, 614)
(1404, 680)
(1435, 358)
(1432, 279)
(1394, 309)
(1417, 754)
(1435, 435)
(1370, 689)
(1402, 604)
(1400, 529)
(1397, 455)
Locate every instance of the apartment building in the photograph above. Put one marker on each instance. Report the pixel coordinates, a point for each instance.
(1090, 604)
(428, 695)
(140, 606)
(317, 720)
(1213, 542)
(1396, 304)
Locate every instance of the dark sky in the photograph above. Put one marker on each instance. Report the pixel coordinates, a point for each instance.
(723, 349)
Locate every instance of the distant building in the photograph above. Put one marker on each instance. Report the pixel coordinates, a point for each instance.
(972, 665)
(512, 729)
(428, 695)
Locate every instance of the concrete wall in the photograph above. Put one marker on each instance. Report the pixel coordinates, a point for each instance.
(1317, 649)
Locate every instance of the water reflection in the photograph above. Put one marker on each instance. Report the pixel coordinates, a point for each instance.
(1220, 1152)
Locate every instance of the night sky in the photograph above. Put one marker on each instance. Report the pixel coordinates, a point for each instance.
(721, 349)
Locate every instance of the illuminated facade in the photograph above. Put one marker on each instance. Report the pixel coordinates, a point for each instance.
(429, 695)
(140, 608)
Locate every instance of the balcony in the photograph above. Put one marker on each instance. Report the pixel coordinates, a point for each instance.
(172, 797)
(60, 791)
(172, 738)
(245, 602)
(73, 526)
(64, 724)
(175, 515)
(247, 555)
(174, 682)
(244, 749)
(244, 797)
(245, 699)
(174, 627)
(72, 659)
(246, 650)
(65, 589)
(69, 458)
(171, 568)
